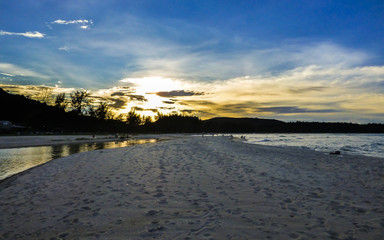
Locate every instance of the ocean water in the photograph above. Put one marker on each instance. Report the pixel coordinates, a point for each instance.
(357, 144)
(16, 160)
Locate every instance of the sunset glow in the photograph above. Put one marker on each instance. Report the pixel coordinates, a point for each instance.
(147, 85)
(310, 61)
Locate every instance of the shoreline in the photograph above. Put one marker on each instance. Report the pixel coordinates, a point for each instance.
(9, 142)
(22, 142)
(54, 140)
(197, 188)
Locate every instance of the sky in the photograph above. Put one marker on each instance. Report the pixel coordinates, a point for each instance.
(299, 60)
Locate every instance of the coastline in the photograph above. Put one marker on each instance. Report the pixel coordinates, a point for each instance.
(53, 140)
(197, 187)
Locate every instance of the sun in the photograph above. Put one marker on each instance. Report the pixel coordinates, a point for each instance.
(153, 84)
(148, 87)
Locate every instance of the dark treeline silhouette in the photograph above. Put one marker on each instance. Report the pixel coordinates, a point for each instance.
(80, 116)
(256, 125)
(242, 125)
(38, 116)
(333, 127)
(176, 123)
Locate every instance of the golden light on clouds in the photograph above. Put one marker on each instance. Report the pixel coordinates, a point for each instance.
(332, 94)
(148, 87)
(153, 84)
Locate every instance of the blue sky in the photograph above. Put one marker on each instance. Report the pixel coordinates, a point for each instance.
(290, 60)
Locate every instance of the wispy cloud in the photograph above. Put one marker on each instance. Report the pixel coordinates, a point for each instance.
(178, 93)
(294, 109)
(301, 90)
(14, 70)
(158, 52)
(64, 48)
(34, 90)
(84, 23)
(7, 74)
(34, 34)
(170, 59)
(335, 93)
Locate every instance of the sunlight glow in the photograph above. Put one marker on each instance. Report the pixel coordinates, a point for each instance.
(153, 84)
(148, 87)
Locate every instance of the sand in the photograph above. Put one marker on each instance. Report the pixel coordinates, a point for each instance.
(197, 188)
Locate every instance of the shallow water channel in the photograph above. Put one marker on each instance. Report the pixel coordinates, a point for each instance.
(16, 160)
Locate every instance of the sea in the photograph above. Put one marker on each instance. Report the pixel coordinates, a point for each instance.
(356, 144)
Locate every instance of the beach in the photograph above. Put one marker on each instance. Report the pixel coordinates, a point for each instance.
(197, 188)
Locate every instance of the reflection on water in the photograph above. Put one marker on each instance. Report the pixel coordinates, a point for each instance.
(16, 160)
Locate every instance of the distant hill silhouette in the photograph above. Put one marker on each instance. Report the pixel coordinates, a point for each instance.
(258, 125)
(333, 127)
(244, 125)
(37, 116)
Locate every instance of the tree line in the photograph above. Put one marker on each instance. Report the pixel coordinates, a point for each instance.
(78, 114)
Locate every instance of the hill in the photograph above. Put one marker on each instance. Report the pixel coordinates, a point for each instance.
(243, 125)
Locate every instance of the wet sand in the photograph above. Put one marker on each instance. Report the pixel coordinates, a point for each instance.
(51, 140)
(197, 188)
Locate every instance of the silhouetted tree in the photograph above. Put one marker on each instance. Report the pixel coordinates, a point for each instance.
(133, 119)
(79, 102)
(60, 101)
(146, 120)
(44, 95)
(119, 117)
(177, 123)
(102, 112)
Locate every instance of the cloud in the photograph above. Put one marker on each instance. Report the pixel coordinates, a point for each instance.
(118, 103)
(178, 93)
(307, 89)
(139, 98)
(33, 90)
(207, 103)
(138, 108)
(34, 34)
(118, 94)
(13, 70)
(154, 110)
(287, 110)
(327, 54)
(82, 21)
(7, 74)
(308, 92)
(206, 57)
(64, 48)
(84, 24)
(223, 76)
(188, 111)
(170, 59)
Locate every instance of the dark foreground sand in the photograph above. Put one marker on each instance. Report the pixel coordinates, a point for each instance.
(197, 188)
